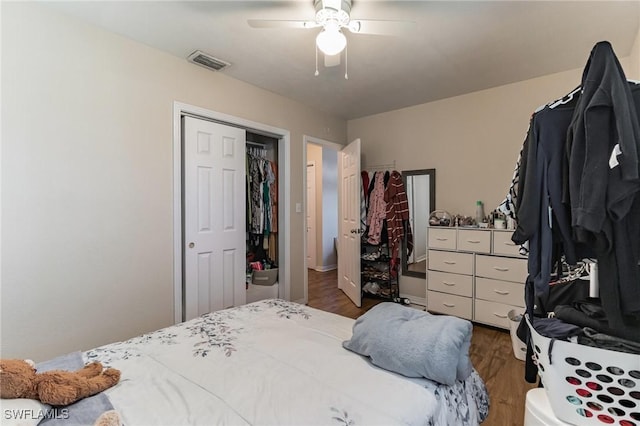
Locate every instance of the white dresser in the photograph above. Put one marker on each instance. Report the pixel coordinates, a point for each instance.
(477, 274)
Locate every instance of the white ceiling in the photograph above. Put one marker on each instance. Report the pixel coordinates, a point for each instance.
(451, 48)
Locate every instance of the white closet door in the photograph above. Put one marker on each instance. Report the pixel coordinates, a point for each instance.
(349, 222)
(214, 217)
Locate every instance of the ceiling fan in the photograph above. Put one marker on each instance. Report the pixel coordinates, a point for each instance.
(333, 16)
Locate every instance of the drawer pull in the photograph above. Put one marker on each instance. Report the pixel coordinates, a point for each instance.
(497, 268)
(449, 262)
(507, 243)
(499, 316)
(449, 305)
(503, 293)
(449, 284)
(442, 239)
(473, 241)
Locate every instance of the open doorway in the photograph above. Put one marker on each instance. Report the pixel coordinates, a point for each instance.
(321, 208)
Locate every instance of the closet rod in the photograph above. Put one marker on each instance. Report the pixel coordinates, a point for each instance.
(380, 167)
(258, 144)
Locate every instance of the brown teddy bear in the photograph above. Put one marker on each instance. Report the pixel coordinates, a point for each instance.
(18, 379)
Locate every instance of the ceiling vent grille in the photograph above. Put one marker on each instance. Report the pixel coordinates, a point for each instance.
(204, 60)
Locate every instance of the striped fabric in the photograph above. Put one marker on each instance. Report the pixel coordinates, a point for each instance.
(397, 211)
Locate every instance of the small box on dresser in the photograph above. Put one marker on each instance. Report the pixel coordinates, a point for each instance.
(477, 274)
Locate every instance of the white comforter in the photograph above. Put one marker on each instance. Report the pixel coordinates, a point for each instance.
(272, 363)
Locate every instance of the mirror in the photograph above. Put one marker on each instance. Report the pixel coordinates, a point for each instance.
(421, 196)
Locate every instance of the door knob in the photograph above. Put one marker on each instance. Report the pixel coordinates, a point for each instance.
(192, 245)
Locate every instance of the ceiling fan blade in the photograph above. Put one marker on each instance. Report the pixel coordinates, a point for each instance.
(332, 60)
(380, 26)
(271, 23)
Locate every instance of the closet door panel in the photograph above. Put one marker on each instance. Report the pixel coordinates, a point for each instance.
(214, 216)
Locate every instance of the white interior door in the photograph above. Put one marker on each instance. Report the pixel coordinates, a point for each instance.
(349, 222)
(311, 215)
(214, 217)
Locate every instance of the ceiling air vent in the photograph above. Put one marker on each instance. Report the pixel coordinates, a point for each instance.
(200, 58)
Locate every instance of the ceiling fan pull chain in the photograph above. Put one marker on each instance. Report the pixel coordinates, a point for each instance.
(346, 63)
(317, 73)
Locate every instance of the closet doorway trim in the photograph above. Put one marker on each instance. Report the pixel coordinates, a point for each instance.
(284, 192)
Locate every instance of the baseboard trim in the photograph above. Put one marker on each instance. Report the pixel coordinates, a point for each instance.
(325, 268)
(422, 301)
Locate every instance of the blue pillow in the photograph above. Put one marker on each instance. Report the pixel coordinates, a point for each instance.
(414, 343)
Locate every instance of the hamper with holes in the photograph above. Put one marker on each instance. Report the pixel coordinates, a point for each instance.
(587, 385)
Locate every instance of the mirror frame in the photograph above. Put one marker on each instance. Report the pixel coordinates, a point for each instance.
(432, 206)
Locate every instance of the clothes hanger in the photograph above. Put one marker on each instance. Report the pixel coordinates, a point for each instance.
(566, 99)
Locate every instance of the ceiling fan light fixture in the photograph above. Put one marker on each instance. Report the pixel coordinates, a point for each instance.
(331, 41)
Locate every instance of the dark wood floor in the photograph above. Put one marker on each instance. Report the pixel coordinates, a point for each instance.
(490, 352)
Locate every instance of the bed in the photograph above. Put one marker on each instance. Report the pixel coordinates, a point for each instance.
(273, 362)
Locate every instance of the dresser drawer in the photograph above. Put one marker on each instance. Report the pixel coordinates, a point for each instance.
(446, 282)
(443, 238)
(449, 304)
(494, 313)
(500, 291)
(502, 244)
(474, 240)
(448, 261)
(501, 268)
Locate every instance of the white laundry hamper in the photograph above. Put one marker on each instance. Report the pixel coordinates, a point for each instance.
(586, 385)
(519, 347)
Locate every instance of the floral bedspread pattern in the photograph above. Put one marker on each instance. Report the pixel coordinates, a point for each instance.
(273, 362)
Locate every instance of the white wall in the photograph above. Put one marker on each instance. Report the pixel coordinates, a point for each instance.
(326, 166)
(471, 140)
(329, 207)
(314, 154)
(87, 248)
(634, 59)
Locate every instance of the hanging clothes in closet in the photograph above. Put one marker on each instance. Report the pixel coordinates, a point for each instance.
(576, 192)
(262, 216)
